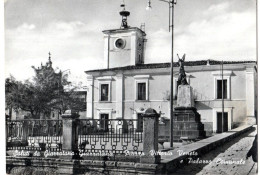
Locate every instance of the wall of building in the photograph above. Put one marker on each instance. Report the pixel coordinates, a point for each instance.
(119, 57)
(158, 82)
(129, 53)
(206, 101)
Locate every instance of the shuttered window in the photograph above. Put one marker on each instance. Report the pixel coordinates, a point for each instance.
(219, 89)
(104, 92)
(141, 87)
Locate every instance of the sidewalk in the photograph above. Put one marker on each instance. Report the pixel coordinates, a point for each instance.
(175, 160)
(228, 159)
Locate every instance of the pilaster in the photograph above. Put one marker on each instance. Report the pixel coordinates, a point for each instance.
(119, 96)
(133, 48)
(250, 96)
(90, 97)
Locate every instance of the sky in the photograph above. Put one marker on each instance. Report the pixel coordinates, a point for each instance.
(72, 32)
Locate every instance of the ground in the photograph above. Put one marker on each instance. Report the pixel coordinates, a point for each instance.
(233, 152)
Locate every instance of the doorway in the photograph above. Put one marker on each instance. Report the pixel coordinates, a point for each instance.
(140, 121)
(104, 122)
(222, 127)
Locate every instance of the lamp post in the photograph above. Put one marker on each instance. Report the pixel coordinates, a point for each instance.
(171, 28)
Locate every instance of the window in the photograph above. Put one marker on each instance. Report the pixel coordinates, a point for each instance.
(220, 90)
(141, 87)
(104, 84)
(139, 56)
(141, 93)
(104, 92)
(218, 84)
(140, 122)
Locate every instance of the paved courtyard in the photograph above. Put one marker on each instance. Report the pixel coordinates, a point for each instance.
(229, 159)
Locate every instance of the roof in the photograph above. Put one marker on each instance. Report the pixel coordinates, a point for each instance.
(124, 30)
(166, 65)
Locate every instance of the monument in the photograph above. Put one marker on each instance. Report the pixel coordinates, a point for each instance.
(187, 124)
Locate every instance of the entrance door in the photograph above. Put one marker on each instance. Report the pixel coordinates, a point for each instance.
(104, 122)
(219, 122)
(140, 122)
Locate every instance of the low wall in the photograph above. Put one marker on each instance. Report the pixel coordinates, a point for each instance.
(64, 166)
(167, 165)
(172, 163)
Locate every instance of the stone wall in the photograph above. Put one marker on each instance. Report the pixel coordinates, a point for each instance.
(48, 166)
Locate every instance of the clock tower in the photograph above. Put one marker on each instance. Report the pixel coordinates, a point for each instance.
(124, 46)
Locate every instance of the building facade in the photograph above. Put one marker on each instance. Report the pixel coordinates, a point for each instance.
(125, 92)
(126, 86)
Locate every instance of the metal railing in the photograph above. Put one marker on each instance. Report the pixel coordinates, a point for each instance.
(94, 135)
(113, 136)
(103, 138)
(34, 134)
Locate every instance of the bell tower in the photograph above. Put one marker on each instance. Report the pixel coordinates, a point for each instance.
(124, 46)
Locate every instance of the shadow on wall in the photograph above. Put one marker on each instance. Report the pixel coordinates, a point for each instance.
(199, 96)
(202, 106)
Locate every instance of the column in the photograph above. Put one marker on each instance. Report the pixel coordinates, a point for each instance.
(150, 136)
(70, 133)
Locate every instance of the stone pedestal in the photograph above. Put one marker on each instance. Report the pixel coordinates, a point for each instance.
(70, 134)
(150, 137)
(187, 125)
(186, 120)
(185, 96)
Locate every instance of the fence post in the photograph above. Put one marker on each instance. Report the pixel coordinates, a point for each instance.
(6, 132)
(70, 132)
(150, 137)
(25, 133)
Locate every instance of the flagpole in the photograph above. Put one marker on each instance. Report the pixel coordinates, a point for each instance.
(222, 97)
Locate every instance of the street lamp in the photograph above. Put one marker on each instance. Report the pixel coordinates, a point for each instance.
(171, 28)
(149, 7)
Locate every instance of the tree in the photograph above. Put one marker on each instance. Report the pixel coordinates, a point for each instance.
(47, 92)
(21, 96)
(67, 97)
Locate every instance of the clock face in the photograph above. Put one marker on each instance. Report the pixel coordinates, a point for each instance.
(120, 43)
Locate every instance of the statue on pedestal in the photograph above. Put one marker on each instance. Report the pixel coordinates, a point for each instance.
(187, 122)
(182, 75)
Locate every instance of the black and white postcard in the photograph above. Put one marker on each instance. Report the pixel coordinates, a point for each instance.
(131, 87)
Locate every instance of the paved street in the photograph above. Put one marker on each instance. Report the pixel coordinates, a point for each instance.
(229, 159)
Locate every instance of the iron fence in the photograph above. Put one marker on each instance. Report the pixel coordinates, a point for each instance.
(113, 136)
(35, 134)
